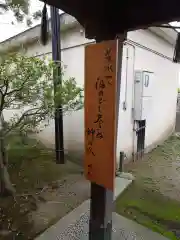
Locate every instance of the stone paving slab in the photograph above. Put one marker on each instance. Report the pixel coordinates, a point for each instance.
(74, 218)
(120, 185)
(75, 227)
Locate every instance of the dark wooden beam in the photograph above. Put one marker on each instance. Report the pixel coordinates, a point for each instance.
(107, 19)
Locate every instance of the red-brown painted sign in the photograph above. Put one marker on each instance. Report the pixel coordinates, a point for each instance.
(100, 112)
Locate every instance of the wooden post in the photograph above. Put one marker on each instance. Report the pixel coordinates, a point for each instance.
(102, 85)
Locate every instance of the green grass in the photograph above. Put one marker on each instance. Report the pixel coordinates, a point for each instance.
(32, 165)
(142, 201)
(151, 209)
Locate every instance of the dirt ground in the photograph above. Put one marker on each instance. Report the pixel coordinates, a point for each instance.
(31, 213)
(160, 169)
(45, 191)
(59, 199)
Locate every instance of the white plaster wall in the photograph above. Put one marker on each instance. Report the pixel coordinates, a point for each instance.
(162, 113)
(152, 41)
(160, 121)
(69, 39)
(125, 118)
(73, 58)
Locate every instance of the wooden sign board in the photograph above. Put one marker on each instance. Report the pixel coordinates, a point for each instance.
(100, 112)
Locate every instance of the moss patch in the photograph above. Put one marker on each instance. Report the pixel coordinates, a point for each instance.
(32, 165)
(152, 200)
(151, 209)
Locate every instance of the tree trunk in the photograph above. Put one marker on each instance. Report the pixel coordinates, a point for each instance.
(6, 187)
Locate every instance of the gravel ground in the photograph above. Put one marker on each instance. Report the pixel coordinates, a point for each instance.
(160, 169)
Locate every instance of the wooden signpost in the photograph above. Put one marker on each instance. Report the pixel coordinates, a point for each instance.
(101, 112)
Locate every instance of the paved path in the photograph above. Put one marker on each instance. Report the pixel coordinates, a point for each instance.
(74, 226)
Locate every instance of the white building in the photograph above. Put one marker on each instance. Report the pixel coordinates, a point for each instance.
(148, 50)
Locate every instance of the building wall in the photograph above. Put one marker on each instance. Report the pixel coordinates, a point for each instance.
(162, 112)
(137, 54)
